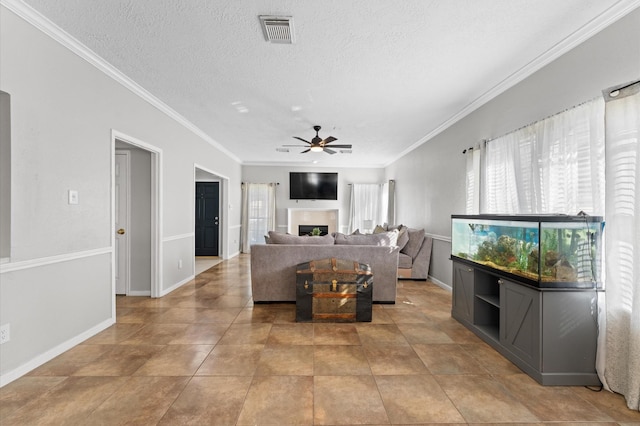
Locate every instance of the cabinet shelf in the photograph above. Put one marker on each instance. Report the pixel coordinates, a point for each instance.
(490, 299)
(492, 331)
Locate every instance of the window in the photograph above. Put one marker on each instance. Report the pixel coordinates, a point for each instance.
(553, 166)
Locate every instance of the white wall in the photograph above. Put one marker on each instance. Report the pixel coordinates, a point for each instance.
(57, 288)
(280, 174)
(429, 190)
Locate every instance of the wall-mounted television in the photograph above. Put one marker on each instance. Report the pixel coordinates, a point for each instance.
(313, 186)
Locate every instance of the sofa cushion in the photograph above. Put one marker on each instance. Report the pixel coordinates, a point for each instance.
(404, 261)
(280, 238)
(416, 237)
(382, 239)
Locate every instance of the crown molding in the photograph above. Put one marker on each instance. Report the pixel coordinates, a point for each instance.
(43, 24)
(591, 28)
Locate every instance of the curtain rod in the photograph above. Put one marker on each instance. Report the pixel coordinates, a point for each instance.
(268, 183)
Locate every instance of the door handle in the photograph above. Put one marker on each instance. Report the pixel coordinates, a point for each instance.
(121, 231)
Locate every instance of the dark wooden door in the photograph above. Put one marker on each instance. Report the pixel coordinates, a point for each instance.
(207, 218)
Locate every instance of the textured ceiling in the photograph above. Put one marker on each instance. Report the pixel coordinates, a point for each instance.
(381, 75)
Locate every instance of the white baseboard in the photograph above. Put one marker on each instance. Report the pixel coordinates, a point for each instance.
(36, 362)
(440, 283)
(233, 255)
(176, 285)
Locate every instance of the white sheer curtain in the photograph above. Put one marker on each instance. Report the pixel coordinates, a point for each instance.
(258, 214)
(473, 156)
(553, 166)
(619, 358)
(368, 206)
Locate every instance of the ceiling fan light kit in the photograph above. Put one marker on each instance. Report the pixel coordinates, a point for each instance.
(318, 144)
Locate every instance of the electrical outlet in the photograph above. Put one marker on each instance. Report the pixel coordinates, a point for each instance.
(180, 264)
(5, 334)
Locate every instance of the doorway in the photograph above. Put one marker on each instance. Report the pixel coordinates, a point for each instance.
(207, 219)
(143, 229)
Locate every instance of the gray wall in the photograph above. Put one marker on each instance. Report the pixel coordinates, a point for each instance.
(280, 174)
(429, 190)
(57, 288)
(5, 174)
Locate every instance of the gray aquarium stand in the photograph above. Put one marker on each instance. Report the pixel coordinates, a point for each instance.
(550, 334)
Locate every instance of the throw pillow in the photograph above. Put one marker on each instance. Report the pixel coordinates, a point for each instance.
(379, 230)
(382, 239)
(279, 238)
(403, 236)
(416, 237)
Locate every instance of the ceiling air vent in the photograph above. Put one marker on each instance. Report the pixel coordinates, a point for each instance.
(277, 29)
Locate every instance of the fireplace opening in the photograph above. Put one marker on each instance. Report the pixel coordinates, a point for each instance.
(307, 229)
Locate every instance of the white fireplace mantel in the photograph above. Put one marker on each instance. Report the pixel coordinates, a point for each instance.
(306, 216)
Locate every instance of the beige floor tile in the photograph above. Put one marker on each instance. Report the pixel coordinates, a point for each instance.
(379, 315)
(490, 359)
(209, 401)
(218, 316)
(120, 360)
(140, 315)
(291, 334)
(424, 333)
(279, 400)
(71, 361)
(179, 316)
(335, 334)
(201, 334)
(557, 403)
(156, 334)
(27, 389)
(483, 399)
(612, 404)
(408, 316)
(243, 334)
(257, 313)
(69, 403)
(175, 360)
(114, 334)
(140, 401)
(347, 400)
(231, 360)
(283, 360)
(394, 360)
(340, 360)
(380, 334)
(448, 359)
(416, 399)
(458, 332)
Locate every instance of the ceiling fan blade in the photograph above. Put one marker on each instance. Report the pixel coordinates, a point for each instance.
(329, 151)
(330, 139)
(304, 146)
(300, 139)
(306, 150)
(338, 146)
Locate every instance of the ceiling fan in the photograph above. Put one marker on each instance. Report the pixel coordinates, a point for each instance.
(318, 144)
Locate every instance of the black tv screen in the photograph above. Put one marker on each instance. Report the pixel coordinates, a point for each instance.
(313, 186)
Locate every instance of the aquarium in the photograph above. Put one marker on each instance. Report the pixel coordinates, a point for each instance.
(548, 251)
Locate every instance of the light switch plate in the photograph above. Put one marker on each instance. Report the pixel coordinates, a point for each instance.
(73, 196)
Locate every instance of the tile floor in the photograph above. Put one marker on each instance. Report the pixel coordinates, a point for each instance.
(204, 355)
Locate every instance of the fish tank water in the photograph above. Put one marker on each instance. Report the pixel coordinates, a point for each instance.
(547, 251)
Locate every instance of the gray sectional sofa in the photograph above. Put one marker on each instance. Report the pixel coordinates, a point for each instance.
(391, 254)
